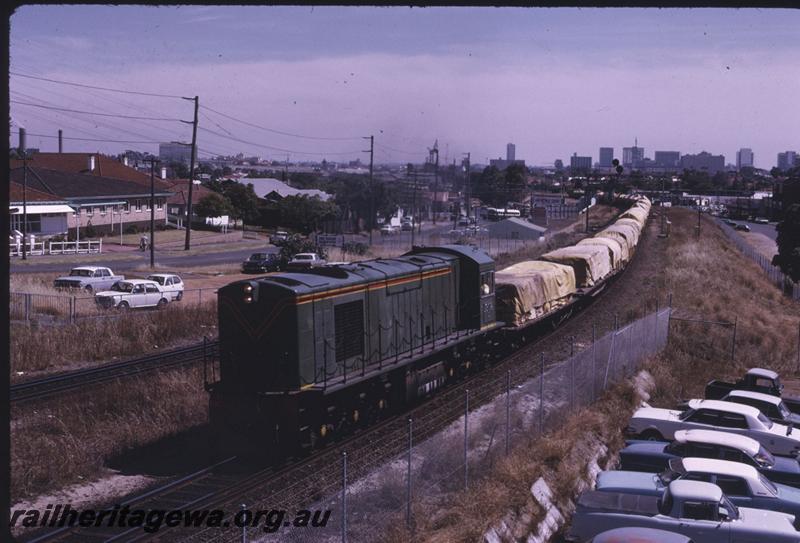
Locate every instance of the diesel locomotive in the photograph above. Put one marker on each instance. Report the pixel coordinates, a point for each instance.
(307, 356)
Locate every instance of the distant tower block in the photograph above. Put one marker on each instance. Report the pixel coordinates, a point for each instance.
(511, 152)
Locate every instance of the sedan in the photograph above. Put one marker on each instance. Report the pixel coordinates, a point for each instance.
(170, 284)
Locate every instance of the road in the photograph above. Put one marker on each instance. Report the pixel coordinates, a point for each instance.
(138, 259)
(765, 229)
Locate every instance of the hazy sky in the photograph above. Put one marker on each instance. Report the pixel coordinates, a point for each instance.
(553, 81)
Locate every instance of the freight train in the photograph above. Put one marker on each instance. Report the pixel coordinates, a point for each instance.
(309, 356)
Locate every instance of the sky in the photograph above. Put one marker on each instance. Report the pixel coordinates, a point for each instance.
(310, 82)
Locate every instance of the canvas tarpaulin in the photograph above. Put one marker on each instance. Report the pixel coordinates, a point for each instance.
(616, 250)
(590, 262)
(623, 233)
(639, 214)
(530, 289)
(637, 228)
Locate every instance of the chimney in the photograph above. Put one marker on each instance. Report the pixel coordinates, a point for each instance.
(163, 172)
(125, 160)
(91, 163)
(21, 149)
(60, 141)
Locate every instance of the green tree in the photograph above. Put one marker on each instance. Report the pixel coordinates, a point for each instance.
(788, 257)
(299, 244)
(305, 213)
(514, 182)
(212, 205)
(243, 200)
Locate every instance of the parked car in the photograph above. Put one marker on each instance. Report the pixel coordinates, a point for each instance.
(758, 380)
(463, 221)
(761, 220)
(88, 278)
(743, 227)
(661, 424)
(132, 293)
(743, 484)
(771, 406)
(304, 261)
(729, 222)
(639, 535)
(696, 509)
(279, 237)
(169, 283)
(388, 229)
(653, 456)
(262, 263)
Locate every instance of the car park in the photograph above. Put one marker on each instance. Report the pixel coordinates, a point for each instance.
(170, 283)
(654, 456)
(262, 263)
(695, 509)
(743, 484)
(660, 424)
(756, 379)
(132, 293)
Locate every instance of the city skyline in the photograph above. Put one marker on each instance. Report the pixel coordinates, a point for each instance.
(714, 80)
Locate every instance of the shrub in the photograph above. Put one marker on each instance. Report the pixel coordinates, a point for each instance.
(132, 229)
(355, 247)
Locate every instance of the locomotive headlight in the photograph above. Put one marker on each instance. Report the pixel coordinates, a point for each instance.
(248, 299)
(250, 293)
(248, 288)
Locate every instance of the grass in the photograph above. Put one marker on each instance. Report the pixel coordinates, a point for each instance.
(65, 441)
(36, 348)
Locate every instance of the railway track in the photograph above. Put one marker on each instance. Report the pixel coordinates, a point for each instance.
(36, 389)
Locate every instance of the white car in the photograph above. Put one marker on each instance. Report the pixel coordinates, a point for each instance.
(661, 424)
(169, 283)
(133, 293)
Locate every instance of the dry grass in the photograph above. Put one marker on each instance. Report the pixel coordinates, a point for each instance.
(64, 441)
(761, 243)
(36, 348)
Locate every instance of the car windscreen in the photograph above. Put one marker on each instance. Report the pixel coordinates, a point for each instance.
(158, 279)
(81, 273)
(726, 506)
(764, 420)
(258, 256)
(785, 413)
(122, 287)
(764, 458)
(686, 414)
(768, 484)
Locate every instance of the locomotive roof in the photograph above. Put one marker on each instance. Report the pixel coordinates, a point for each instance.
(345, 275)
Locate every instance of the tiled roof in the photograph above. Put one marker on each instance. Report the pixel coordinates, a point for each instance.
(32, 195)
(78, 185)
(105, 166)
(180, 190)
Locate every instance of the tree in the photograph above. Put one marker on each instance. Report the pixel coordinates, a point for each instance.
(305, 213)
(788, 257)
(212, 205)
(243, 201)
(514, 181)
(298, 244)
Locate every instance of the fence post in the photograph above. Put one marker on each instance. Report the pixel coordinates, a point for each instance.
(594, 362)
(733, 341)
(72, 309)
(344, 497)
(27, 306)
(508, 407)
(466, 433)
(408, 475)
(244, 525)
(541, 395)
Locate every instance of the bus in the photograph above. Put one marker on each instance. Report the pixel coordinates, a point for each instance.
(496, 214)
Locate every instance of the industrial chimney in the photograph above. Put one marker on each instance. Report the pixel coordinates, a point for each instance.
(21, 149)
(60, 141)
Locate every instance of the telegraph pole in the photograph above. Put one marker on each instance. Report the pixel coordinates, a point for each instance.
(152, 211)
(24, 151)
(371, 221)
(414, 212)
(435, 181)
(468, 186)
(191, 175)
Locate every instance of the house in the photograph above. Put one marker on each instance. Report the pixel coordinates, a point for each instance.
(94, 164)
(106, 204)
(47, 214)
(179, 198)
(275, 190)
(514, 228)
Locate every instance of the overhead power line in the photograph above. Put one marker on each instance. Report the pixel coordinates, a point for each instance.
(95, 87)
(97, 114)
(282, 133)
(387, 148)
(276, 148)
(88, 139)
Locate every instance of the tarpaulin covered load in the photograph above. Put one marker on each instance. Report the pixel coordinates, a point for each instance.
(590, 262)
(623, 233)
(637, 213)
(532, 288)
(633, 224)
(616, 251)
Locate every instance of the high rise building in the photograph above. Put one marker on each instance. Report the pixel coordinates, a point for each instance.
(580, 162)
(667, 159)
(744, 158)
(703, 162)
(786, 160)
(511, 151)
(632, 156)
(606, 157)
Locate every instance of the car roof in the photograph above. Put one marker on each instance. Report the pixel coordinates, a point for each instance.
(712, 437)
(90, 268)
(695, 490)
(162, 275)
(774, 400)
(639, 535)
(730, 407)
(720, 467)
(139, 282)
(761, 372)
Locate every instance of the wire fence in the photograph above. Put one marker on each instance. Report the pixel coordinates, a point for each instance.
(778, 278)
(402, 241)
(426, 467)
(64, 309)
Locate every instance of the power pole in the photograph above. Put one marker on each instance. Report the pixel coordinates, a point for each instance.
(371, 221)
(414, 218)
(191, 175)
(435, 180)
(468, 186)
(24, 151)
(152, 162)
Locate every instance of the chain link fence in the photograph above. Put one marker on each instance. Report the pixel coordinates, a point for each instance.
(62, 309)
(429, 464)
(778, 278)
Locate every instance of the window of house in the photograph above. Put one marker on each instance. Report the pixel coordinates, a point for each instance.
(102, 210)
(137, 204)
(89, 211)
(126, 207)
(159, 204)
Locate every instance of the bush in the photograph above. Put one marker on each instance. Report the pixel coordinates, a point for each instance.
(355, 248)
(90, 231)
(132, 229)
